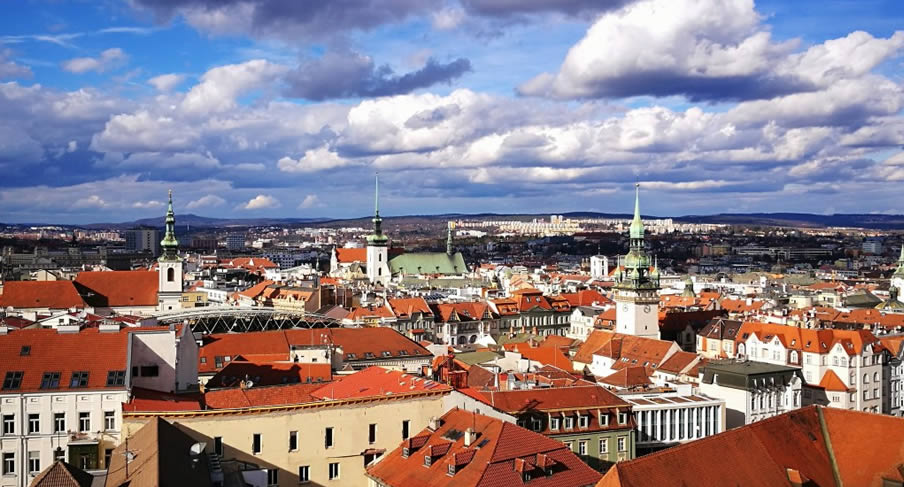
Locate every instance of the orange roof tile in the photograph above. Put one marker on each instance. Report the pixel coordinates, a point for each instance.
(406, 307)
(270, 373)
(348, 256)
(377, 381)
(501, 453)
(41, 294)
(119, 288)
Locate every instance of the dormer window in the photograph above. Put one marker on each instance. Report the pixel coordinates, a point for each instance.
(25, 350)
(387, 354)
(428, 460)
(451, 470)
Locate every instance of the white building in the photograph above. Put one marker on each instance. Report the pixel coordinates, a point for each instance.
(169, 289)
(752, 391)
(582, 319)
(62, 392)
(669, 418)
(599, 267)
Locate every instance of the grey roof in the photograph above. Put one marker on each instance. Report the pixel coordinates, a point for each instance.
(473, 358)
(748, 375)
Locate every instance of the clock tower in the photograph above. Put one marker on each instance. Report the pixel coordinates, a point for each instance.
(636, 286)
(377, 245)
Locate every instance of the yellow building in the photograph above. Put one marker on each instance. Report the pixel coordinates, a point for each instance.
(194, 299)
(291, 434)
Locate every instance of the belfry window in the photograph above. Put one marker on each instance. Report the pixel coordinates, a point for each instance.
(170, 275)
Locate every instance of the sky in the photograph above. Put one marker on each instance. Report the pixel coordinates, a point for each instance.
(284, 108)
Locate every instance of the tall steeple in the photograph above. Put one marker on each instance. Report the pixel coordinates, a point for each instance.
(636, 232)
(449, 238)
(899, 272)
(169, 244)
(377, 238)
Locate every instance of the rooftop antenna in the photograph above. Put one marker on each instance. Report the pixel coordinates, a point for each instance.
(195, 452)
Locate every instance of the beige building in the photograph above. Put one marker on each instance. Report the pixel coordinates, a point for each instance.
(287, 435)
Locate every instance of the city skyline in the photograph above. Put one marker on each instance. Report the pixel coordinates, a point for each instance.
(252, 109)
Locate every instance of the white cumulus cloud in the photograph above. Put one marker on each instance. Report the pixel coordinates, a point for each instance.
(206, 201)
(262, 201)
(107, 60)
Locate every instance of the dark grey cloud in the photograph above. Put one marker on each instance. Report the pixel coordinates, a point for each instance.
(348, 75)
(290, 18)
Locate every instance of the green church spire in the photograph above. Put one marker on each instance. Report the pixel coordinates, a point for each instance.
(899, 272)
(169, 244)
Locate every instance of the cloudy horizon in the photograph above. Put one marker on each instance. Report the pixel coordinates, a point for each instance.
(252, 108)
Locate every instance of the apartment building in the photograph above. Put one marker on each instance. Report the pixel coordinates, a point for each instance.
(752, 391)
(325, 434)
(63, 391)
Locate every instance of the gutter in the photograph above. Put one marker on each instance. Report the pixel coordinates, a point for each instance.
(828, 443)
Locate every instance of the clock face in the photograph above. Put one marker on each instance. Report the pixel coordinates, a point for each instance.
(624, 307)
(646, 309)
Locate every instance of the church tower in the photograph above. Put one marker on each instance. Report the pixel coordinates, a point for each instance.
(377, 245)
(897, 279)
(169, 266)
(636, 286)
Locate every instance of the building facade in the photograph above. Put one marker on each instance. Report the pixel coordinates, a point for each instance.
(752, 391)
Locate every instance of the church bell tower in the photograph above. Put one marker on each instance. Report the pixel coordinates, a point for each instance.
(169, 266)
(636, 286)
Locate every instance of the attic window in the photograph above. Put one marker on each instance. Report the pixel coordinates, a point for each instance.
(79, 379)
(351, 356)
(368, 355)
(451, 470)
(25, 350)
(13, 380)
(403, 353)
(387, 354)
(50, 380)
(116, 378)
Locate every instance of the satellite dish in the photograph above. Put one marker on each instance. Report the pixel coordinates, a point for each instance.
(197, 449)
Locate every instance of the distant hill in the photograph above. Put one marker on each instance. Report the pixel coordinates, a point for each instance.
(873, 221)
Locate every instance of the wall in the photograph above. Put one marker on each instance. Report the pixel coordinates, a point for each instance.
(350, 425)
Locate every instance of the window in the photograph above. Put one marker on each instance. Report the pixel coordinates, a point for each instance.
(554, 423)
(569, 423)
(256, 443)
(9, 424)
(293, 440)
(218, 445)
(604, 446)
(304, 474)
(218, 361)
(34, 462)
(108, 456)
(866, 378)
(875, 377)
(109, 420)
(334, 471)
(570, 445)
(372, 433)
(622, 443)
(536, 424)
(272, 476)
(405, 429)
(582, 447)
(79, 379)
(59, 422)
(50, 380)
(84, 422)
(583, 421)
(170, 275)
(328, 438)
(25, 350)
(622, 418)
(116, 378)
(9, 463)
(150, 371)
(13, 380)
(604, 419)
(34, 423)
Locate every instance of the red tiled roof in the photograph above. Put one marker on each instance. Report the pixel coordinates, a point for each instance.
(377, 381)
(679, 361)
(553, 398)
(256, 290)
(50, 351)
(489, 462)
(363, 312)
(270, 373)
(467, 311)
(628, 377)
(347, 256)
(767, 453)
(147, 400)
(586, 297)
(352, 341)
(405, 307)
(260, 396)
(831, 382)
(41, 294)
(119, 288)
(544, 355)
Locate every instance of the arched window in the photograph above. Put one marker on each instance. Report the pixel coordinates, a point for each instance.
(794, 357)
(740, 349)
(170, 274)
(866, 378)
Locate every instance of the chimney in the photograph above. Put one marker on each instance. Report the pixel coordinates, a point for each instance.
(469, 437)
(434, 423)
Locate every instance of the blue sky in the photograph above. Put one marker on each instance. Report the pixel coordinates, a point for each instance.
(251, 108)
